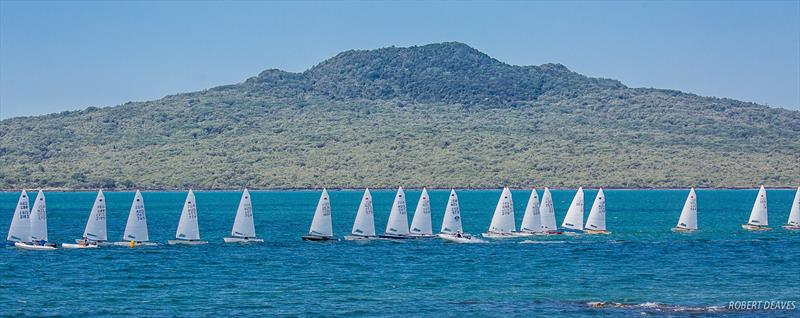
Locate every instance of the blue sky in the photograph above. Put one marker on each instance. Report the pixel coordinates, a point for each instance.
(58, 56)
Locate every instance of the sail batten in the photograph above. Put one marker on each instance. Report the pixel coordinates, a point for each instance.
(574, 218)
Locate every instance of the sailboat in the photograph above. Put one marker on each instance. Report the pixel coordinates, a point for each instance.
(794, 215)
(20, 229)
(136, 228)
(321, 225)
(596, 223)
(38, 227)
(688, 221)
(95, 232)
(421, 224)
(548, 214)
(502, 225)
(397, 226)
(452, 230)
(758, 216)
(244, 229)
(531, 220)
(188, 232)
(574, 218)
(364, 225)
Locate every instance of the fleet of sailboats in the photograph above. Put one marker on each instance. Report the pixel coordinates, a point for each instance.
(244, 228)
(688, 221)
(322, 224)
(28, 228)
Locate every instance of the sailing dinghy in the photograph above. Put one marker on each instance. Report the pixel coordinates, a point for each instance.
(321, 225)
(687, 223)
(421, 224)
(95, 232)
(596, 223)
(244, 229)
(188, 232)
(364, 225)
(531, 220)
(451, 224)
(136, 228)
(20, 229)
(502, 225)
(574, 219)
(758, 216)
(548, 214)
(38, 227)
(794, 216)
(397, 226)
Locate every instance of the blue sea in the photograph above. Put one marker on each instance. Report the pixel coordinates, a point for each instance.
(641, 269)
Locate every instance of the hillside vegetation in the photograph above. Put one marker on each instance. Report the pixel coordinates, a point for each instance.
(441, 115)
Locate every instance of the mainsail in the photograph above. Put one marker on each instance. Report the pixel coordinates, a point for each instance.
(96, 225)
(243, 225)
(531, 220)
(322, 225)
(20, 230)
(547, 212)
(597, 215)
(421, 224)
(398, 219)
(503, 218)
(451, 224)
(38, 219)
(188, 228)
(574, 218)
(688, 219)
(364, 224)
(136, 228)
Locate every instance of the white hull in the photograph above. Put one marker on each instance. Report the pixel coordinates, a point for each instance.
(359, 238)
(99, 243)
(231, 239)
(128, 244)
(464, 239)
(526, 234)
(28, 246)
(78, 246)
(751, 227)
(493, 235)
(792, 227)
(318, 238)
(186, 242)
(596, 232)
(396, 237)
(682, 230)
(422, 235)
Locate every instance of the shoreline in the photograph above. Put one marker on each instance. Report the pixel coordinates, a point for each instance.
(376, 189)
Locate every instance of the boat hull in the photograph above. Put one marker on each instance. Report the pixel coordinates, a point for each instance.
(135, 244)
(395, 237)
(233, 239)
(422, 235)
(32, 247)
(751, 227)
(495, 235)
(78, 246)
(792, 227)
(596, 232)
(683, 230)
(186, 242)
(99, 243)
(359, 238)
(464, 239)
(318, 238)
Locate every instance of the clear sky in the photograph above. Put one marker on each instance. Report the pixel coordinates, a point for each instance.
(62, 55)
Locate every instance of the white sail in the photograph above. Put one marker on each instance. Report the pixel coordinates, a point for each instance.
(794, 215)
(96, 225)
(365, 220)
(758, 216)
(531, 220)
(322, 224)
(136, 228)
(574, 218)
(688, 219)
(503, 218)
(243, 225)
(451, 224)
(597, 215)
(421, 224)
(39, 218)
(398, 217)
(188, 228)
(547, 211)
(20, 230)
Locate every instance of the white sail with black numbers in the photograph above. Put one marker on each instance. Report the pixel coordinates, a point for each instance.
(688, 219)
(503, 218)
(421, 224)
(96, 229)
(547, 211)
(20, 229)
(451, 224)
(243, 225)
(531, 220)
(574, 218)
(136, 228)
(398, 217)
(322, 224)
(364, 224)
(188, 229)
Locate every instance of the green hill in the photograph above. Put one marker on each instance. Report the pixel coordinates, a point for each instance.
(439, 115)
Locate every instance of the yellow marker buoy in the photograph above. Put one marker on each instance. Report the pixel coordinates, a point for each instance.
(133, 244)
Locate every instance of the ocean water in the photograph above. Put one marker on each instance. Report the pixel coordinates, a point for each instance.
(642, 265)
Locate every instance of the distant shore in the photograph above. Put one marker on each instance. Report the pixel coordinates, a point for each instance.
(378, 189)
